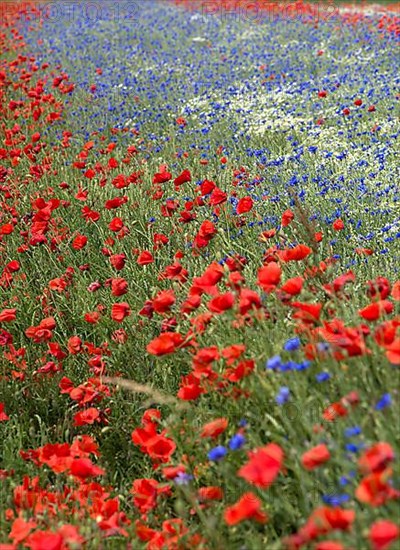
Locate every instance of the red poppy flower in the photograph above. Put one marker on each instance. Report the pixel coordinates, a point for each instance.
(247, 507)
(162, 177)
(340, 282)
(90, 215)
(375, 489)
(297, 253)
(120, 182)
(242, 369)
(8, 315)
(146, 534)
(287, 218)
(89, 416)
(205, 234)
(83, 446)
(393, 352)
(396, 291)
(160, 448)
(145, 493)
(324, 520)
(373, 311)
(58, 285)
(163, 302)
(307, 312)
(6, 229)
(366, 251)
(382, 534)
(118, 261)
(151, 417)
(378, 287)
(74, 345)
(376, 458)
(3, 416)
(207, 282)
(269, 276)
(83, 468)
(184, 177)
(210, 493)
(190, 388)
(201, 362)
(79, 242)
(71, 536)
(265, 235)
(244, 205)
(92, 317)
(116, 224)
(171, 472)
(14, 266)
(318, 236)
(315, 457)
(120, 311)
(385, 333)
(293, 286)
(248, 300)
(263, 466)
(145, 258)
(43, 331)
(215, 428)
(112, 204)
(206, 187)
(233, 352)
(164, 344)
(334, 411)
(338, 225)
(221, 303)
(21, 529)
(45, 539)
(119, 286)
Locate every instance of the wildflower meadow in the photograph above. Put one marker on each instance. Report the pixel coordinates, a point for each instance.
(199, 275)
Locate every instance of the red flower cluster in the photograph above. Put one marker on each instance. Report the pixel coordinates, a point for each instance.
(153, 443)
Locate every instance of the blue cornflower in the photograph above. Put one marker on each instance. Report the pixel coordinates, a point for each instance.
(303, 366)
(288, 366)
(336, 500)
(343, 481)
(217, 453)
(274, 362)
(351, 432)
(353, 448)
(322, 377)
(283, 395)
(237, 442)
(292, 344)
(383, 402)
(323, 346)
(182, 478)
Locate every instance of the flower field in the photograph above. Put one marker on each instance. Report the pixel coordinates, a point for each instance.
(199, 275)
